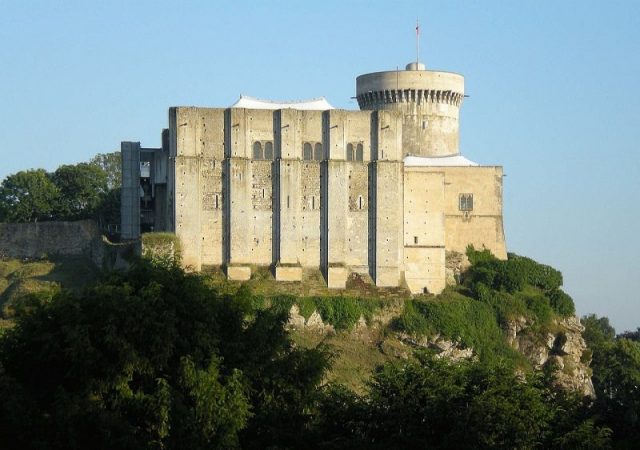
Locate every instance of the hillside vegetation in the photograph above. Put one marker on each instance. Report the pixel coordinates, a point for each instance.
(21, 280)
(154, 357)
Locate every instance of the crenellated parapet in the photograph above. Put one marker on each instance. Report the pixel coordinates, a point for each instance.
(429, 101)
(381, 99)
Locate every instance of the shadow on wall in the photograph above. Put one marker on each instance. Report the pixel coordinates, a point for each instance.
(52, 239)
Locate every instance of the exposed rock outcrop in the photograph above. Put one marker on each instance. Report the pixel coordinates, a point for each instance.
(560, 348)
(445, 348)
(313, 323)
(455, 264)
(562, 351)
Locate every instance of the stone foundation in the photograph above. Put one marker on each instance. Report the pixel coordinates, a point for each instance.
(289, 273)
(238, 273)
(337, 277)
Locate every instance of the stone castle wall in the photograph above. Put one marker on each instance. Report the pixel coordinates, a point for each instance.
(45, 239)
(482, 227)
(297, 189)
(309, 201)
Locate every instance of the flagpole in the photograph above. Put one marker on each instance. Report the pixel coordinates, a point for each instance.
(417, 41)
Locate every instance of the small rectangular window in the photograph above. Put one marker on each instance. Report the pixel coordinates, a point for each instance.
(415, 240)
(466, 202)
(145, 169)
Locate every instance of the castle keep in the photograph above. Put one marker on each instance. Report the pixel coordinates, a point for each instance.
(382, 191)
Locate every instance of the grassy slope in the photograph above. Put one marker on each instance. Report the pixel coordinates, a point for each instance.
(454, 315)
(355, 356)
(22, 277)
(356, 352)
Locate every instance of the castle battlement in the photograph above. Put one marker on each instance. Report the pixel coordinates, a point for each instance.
(429, 101)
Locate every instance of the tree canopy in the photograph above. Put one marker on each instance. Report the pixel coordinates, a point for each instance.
(71, 192)
(153, 359)
(161, 359)
(28, 196)
(81, 187)
(110, 164)
(435, 403)
(616, 378)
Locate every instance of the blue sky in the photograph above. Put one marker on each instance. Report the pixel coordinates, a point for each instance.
(552, 85)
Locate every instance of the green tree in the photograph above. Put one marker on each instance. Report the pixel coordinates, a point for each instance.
(631, 335)
(152, 358)
(434, 403)
(598, 332)
(108, 210)
(82, 187)
(27, 196)
(616, 379)
(110, 163)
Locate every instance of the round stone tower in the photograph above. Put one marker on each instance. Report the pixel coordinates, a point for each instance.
(429, 100)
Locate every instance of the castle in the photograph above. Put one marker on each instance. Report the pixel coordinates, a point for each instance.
(382, 191)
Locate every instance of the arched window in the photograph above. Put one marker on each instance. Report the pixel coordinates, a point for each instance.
(268, 150)
(359, 153)
(349, 152)
(307, 152)
(257, 150)
(317, 152)
(466, 202)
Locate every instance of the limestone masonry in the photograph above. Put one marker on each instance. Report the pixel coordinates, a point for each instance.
(382, 191)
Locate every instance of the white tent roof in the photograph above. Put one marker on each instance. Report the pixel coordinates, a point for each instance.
(314, 104)
(438, 161)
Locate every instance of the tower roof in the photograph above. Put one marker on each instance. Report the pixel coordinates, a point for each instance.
(438, 161)
(314, 104)
(415, 66)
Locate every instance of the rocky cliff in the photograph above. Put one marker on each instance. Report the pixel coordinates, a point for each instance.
(559, 349)
(563, 351)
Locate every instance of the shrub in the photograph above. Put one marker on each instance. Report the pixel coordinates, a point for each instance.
(306, 306)
(413, 321)
(536, 274)
(161, 248)
(541, 309)
(479, 256)
(458, 318)
(492, 272)
(496, 274)
(511, 275)
(282, 303)
(506, 306)
(341, 312)
(562, 303)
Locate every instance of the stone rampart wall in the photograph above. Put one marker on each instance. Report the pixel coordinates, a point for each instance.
(44, 239)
